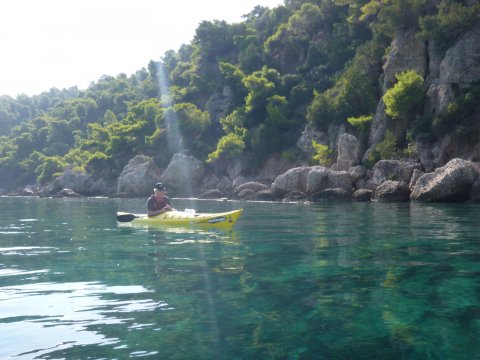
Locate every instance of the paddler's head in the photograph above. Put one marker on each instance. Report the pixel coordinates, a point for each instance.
(159, 187)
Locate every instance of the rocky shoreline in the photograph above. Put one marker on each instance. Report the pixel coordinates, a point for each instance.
(388, 181)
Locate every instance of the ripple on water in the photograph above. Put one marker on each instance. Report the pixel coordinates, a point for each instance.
(67, 315)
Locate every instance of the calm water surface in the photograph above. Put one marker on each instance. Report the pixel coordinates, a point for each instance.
(332, 281)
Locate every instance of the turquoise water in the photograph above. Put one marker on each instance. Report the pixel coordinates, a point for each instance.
(332, 281)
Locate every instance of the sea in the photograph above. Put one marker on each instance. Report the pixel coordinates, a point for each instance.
(288, 281)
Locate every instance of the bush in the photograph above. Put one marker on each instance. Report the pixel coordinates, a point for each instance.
(452, 20)
(323, 154)
(405, 96)
(230, 146)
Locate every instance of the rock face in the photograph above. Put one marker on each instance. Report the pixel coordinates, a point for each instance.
(328, 137)
(321, 178)
(348, 149)
(399, 170)
(407, 53)
(139, 176)
(81, 183)
(459, 68)
(182, 176)
(392, 191)
(293, 180)
(451, 182)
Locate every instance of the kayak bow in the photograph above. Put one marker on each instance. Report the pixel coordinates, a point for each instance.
(183, 218)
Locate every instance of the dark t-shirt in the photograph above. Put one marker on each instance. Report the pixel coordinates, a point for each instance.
(157, 202)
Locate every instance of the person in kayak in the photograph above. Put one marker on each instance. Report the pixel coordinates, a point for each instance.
(158, 202)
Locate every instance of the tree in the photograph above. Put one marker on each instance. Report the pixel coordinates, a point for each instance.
(405, 96)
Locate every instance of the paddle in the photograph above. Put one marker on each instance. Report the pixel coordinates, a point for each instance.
(125, 217)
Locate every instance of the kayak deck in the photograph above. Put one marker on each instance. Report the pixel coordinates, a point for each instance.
(187, 218)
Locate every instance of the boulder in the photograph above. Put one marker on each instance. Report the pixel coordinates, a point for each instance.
(357, 172)
(264, 195)
(81, 183)
(252, 185)
(415, 176)
(295, 196)
(183, 174)
(392, 191)
(212, 194)
(474, 193)
(399, 170)
(139, 176)
(68, 193)
(211, 181)
(320, 178)
(348, 149)
(293, 180)
(451, 182)
(336, 194)
(363, 195)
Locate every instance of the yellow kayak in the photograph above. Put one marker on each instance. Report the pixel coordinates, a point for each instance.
(183, 218)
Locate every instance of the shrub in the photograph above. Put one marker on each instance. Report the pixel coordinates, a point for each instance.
(323, 154)
(404, 97)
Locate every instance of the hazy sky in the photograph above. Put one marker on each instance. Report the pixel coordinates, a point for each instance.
(63, 43)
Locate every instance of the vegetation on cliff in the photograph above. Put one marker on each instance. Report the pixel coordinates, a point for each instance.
(249, 87)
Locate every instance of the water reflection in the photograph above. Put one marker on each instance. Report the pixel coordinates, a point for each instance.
(67, 315)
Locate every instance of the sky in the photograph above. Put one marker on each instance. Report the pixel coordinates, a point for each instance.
(65, 43)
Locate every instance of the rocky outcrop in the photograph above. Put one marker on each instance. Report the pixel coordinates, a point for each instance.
(348, 149)
(292, 180)
(183, 174)
(451, 182)
(81, 183)
(392, 191)
(335, 194)
(363, 195)
(321, 178)
(399, 170)
(457, 70)
(328, 137)
(138, 176)
(249, 190)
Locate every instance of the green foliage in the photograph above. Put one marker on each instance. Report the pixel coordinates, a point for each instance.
(353, 94)
(323, 154)
(452, 20)
(387, 16)
(405, 96)
(229, 146)
(388, 149)
(241, 88)
(360, 121)
(50, 167)
(460, 119)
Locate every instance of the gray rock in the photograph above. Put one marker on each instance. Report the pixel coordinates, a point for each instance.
(320, 178)
(328, 137)
(139, 176)
(400, 170)
(392, 191)
(264, 195)
(212, 194)
(348, 149)
(252, 185)
(357, 172)
(183, 175)
(295, 196)
(363, 195)
(81, 183)
(415, 176)
(336, 194)
(293, 180)
(451, 182)
(68, 193)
